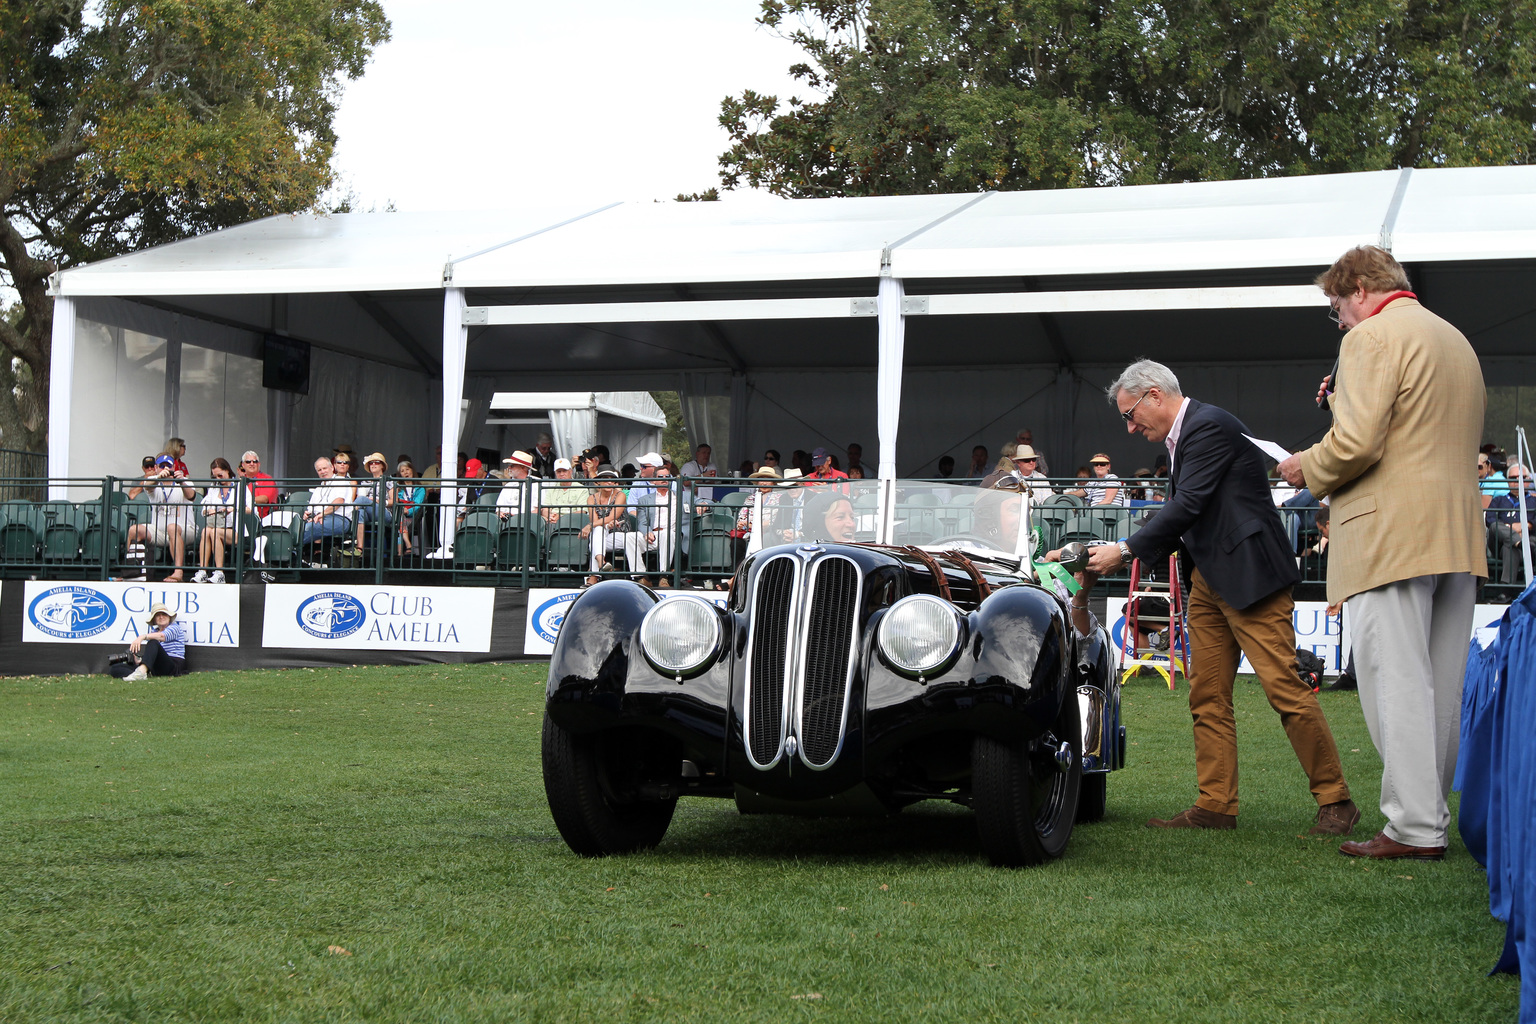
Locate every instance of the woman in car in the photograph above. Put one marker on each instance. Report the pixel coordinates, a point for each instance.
(829, 517)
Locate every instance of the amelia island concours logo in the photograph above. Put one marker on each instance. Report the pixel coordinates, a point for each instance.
(331, 615)
(72, 612)
(548, 616)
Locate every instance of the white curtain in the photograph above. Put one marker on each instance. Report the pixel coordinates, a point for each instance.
(477, 392)
(574, 431)
(707, 415)
(893, 343)
(369, 406)
(118, 387)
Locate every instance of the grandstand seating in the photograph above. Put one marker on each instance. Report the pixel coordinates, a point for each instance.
(90, 538)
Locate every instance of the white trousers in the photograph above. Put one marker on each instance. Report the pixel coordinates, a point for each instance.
(635, 547)
(1410, 641)
(605, 540)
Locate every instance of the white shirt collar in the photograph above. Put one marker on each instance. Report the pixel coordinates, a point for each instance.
(1172, 440)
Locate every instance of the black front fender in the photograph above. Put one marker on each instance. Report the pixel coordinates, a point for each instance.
(591, 662)
(1007, 683)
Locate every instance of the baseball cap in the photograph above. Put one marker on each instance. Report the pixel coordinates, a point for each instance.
(473, 466)
(559, 464)
(652, 459)
(819, 457)
(165, 460)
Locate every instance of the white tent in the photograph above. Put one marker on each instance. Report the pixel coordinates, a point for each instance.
(630, 423)
(939, 320)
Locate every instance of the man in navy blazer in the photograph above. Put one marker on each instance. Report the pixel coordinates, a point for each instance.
(1234, 551)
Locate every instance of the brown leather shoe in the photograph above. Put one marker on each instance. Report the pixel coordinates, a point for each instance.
(1337, 819)
(1196, 817)
(1384, 847)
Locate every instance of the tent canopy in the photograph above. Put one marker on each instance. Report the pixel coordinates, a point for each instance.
(1014, 307)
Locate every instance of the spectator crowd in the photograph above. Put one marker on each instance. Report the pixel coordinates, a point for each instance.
(631, 509)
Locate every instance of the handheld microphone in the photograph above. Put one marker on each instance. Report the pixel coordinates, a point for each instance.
(1330, 385)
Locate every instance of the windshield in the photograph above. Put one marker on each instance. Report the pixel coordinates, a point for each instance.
(920, 513)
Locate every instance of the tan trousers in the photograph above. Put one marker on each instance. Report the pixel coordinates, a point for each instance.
(1219, 634)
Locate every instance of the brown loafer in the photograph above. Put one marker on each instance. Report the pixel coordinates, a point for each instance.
(1384, 847)
(1337, 819)
(1196, 817)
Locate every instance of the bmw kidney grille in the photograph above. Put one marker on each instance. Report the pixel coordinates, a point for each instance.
(800, 665)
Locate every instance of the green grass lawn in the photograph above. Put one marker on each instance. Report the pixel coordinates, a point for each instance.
(203, 849)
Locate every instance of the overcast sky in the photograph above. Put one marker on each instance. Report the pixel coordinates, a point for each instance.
(488, 103)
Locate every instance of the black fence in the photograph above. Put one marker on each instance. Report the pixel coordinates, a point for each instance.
(493, 532)
(22, 475)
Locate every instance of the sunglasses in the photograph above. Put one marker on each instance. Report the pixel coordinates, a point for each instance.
(1127, 414)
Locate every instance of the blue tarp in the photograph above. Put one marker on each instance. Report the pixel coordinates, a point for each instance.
(1496, 774)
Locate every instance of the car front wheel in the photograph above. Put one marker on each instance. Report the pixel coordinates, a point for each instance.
(1025, 801)
(597, 791)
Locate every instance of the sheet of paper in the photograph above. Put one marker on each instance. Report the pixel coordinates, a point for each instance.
(1269, 448)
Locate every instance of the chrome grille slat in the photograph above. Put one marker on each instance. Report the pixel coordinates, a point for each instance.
(831, 617)
(773, 605)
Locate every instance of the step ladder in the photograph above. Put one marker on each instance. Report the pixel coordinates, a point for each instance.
(1173, 626)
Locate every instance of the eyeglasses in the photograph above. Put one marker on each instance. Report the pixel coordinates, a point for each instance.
(1333, 310)
(1127, 414)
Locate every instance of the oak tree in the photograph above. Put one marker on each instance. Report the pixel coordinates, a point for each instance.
(914, 96)
(129, 123)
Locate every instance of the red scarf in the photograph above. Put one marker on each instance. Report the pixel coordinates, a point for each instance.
(1392, 298)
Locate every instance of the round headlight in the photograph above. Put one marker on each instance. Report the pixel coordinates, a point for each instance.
(680, 635)
(919, 635)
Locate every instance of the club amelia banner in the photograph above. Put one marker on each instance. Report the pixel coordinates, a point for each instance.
(547, 608)
(378, 618)
(115, 613)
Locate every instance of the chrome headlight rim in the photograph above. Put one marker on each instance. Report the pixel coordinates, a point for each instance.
(922, 673)
(683, 604)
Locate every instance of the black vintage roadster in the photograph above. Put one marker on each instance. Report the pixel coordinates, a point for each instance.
(841, 677)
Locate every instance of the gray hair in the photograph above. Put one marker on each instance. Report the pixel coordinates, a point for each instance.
(1142, 376)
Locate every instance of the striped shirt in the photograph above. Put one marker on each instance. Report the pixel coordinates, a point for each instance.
(175, 642)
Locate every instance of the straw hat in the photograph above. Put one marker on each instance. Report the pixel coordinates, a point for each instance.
(156, 609)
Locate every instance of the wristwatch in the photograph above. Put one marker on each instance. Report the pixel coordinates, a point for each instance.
(1125, 552)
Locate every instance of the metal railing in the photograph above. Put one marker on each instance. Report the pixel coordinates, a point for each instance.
(498, 533)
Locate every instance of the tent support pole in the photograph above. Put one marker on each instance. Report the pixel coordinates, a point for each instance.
(455, 344)
(893, 335)
(61, 375)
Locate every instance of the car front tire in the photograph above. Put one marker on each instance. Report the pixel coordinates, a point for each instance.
(592, 797)
(1025, 806)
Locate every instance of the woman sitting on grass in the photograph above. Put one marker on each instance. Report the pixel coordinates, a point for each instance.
(162, 650)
